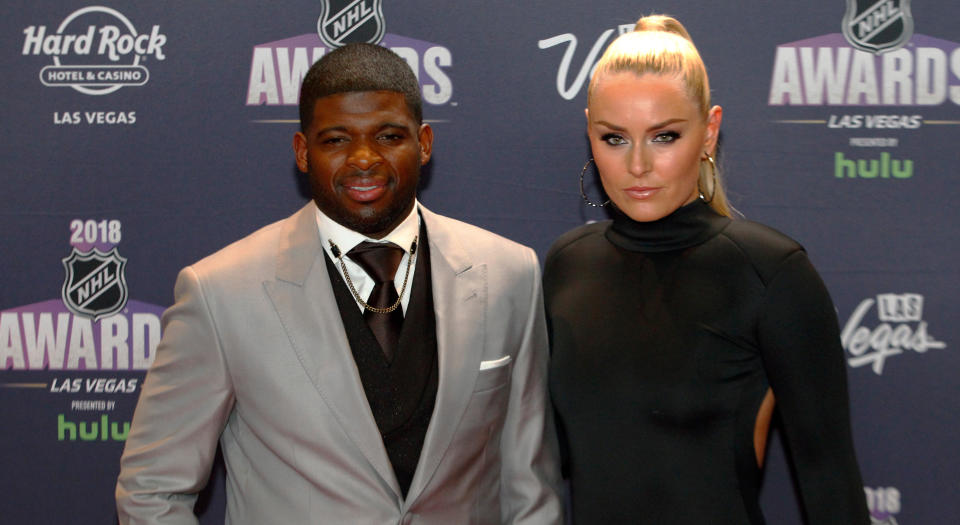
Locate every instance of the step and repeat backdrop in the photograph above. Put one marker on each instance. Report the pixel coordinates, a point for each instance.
(140, 136)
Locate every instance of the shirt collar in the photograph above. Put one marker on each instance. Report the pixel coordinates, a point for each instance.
(347, 239)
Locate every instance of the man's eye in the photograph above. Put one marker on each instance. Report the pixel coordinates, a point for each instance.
(613, 139)
(666, 136)
(334, 140)
(390, 137)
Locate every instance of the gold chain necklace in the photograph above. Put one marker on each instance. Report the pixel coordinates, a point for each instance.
(406, 275)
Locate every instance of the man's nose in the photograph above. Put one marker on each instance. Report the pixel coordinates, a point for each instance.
(364, 155)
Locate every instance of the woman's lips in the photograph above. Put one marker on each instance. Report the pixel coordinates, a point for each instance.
(641, 192)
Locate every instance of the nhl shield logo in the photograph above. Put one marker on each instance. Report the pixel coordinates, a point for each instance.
(94, 285)
(877, 26)
(347, 21)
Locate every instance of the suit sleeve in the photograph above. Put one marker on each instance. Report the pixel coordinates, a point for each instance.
(530, 477)
(801, 350)
(183, 406)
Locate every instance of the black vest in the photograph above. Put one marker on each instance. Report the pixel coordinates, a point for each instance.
(401, 395)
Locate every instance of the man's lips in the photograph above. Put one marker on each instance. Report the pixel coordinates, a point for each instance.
(365, 190)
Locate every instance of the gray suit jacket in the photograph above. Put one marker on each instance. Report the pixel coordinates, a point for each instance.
(254, 354)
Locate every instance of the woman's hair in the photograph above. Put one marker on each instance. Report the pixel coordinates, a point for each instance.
(660, 45)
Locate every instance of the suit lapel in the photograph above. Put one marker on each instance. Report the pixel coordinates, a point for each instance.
(303, 298)
(459, 296)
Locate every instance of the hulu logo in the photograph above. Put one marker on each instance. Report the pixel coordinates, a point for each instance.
(882, 168)
(91, 430)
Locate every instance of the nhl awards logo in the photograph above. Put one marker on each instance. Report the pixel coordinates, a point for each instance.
(347, 21)
(91, 326)
(877, 26)
(94, 285)
(277, 68)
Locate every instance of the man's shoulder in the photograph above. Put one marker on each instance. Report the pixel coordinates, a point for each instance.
(472, 238)
(256, 251)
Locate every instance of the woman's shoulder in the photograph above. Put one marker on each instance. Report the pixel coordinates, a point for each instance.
(755, 235)
(568, 243)
(765, 247)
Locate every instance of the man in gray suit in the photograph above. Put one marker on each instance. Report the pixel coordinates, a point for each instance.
(364, 361)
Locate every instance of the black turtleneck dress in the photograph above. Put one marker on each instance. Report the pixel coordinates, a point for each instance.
(665, 338)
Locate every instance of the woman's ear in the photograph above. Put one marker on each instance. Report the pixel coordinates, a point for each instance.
(714, 117)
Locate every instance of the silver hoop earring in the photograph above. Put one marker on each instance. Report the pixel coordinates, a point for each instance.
(584, 193)
(713, 171)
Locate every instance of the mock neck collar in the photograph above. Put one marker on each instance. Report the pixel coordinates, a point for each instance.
(688, 226)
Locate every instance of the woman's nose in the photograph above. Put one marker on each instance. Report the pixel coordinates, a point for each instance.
(638, 161)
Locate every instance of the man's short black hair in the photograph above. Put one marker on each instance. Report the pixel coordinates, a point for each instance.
(358, 67)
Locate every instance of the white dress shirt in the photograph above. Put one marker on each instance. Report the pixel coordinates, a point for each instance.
(347, 239)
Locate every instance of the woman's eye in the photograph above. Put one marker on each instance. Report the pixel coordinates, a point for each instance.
(666, 136)
(613, 139)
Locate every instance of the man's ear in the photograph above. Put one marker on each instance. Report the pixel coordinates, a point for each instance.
(425, 138)
(300, 150)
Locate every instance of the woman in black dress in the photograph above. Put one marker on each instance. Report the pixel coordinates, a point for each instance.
(675, 330)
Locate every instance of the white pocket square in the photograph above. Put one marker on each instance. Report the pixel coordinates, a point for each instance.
(503, 361)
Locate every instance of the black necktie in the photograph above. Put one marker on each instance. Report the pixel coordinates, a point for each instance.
(380, 261)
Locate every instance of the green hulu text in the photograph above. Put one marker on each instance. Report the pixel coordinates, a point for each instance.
(101, 430)
(882, 168)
